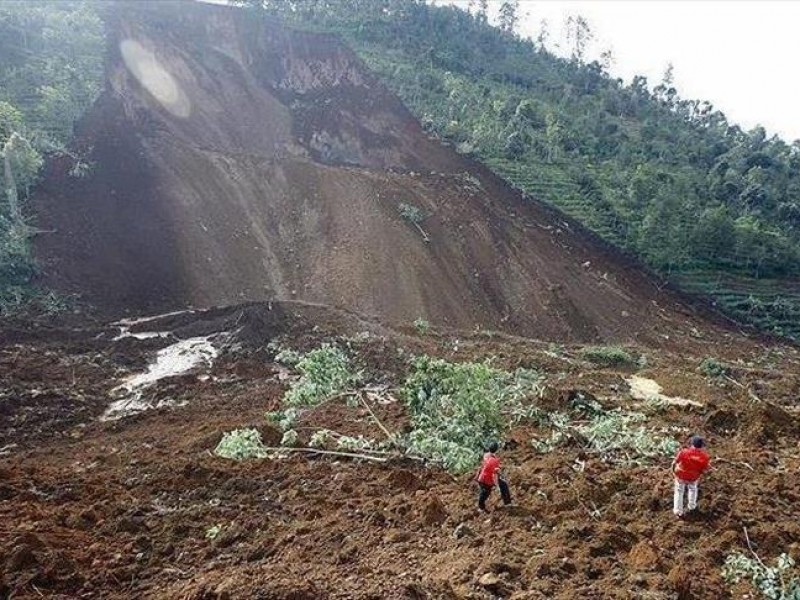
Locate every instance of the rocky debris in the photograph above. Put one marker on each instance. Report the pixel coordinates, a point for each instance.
(463, 530)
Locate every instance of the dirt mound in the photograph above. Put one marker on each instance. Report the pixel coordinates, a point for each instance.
(235, 160)
(140, 507)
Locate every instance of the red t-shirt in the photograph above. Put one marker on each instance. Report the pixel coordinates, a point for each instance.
(489, 469)
(691, 463)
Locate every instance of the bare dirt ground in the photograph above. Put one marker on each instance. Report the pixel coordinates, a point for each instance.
(120, 509)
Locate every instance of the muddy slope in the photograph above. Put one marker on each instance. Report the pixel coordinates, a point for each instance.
(127, 508)
(235, 160)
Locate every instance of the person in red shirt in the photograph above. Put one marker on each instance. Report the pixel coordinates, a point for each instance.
(489, 476)
(688, 466)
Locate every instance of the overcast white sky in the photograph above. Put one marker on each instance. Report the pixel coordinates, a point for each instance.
(740, 55)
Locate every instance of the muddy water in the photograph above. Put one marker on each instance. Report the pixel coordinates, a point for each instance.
(176, 359)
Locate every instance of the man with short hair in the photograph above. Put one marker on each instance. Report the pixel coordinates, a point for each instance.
(489, 476)
(688, 467)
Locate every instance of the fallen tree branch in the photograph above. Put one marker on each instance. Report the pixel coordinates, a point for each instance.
(389, 435)
(744, 387)
(373, 458)
(750, 546)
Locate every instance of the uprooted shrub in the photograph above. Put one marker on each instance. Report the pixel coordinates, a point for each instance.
(616, 436)
(241, 444)
(780, 582)
(324, 372)
(456, 408)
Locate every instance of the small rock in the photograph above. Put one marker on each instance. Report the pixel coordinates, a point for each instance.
(462, 530)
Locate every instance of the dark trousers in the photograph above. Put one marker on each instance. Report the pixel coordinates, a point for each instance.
(486, 491)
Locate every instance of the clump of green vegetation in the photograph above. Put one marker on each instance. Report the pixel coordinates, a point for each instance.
(619, 434)
(412, 214)
(51, 72)
(290, 438)
(615, 435)
(213, 532)
(284, 419)
(241, 444)
(325, 438)
(711, 367)
(608, 356)
(457, 408)
(324, 372)
(422, 326)
(780, 582)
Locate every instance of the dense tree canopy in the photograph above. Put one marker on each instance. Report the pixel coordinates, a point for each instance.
(50, 73)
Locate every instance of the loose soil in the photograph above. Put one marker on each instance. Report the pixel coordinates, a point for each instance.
(121, 509)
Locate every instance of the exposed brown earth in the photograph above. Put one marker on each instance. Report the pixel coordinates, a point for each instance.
(121, 509)
(273, 167)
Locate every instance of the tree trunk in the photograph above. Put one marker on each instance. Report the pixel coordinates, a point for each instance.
(11, 185)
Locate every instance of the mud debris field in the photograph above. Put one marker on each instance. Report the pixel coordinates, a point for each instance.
(139, 507)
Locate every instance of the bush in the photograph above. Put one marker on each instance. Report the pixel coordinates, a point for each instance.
(780, 582)
(241, 444)
(609, 356)
(615, 433)
(284, 419)
(457, 408)
(422, 326)
(411, 213)
(324, 373)
(711, 367)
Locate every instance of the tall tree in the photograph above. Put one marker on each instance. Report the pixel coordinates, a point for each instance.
(509, 15)
(579, 34)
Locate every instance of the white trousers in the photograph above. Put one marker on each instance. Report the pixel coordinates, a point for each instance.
(680, 488)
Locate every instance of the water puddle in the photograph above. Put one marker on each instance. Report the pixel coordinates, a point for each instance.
(647, 390)
(177, 359)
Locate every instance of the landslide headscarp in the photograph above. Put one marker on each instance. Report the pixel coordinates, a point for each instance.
(237, 160)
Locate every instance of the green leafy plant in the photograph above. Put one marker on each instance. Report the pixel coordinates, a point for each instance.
(422, 326)
(609, 356)
(284, 419)
(457, 408)
(213, 532)
(289, 438)
(241, 444)
(779, 582)
(412, 214)
(618, 435)
(711, 367)
(324, 373)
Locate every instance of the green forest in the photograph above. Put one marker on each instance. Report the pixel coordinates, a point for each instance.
(710, 207)
(50, 73)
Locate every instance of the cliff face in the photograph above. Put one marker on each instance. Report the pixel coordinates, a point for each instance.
(236, 160)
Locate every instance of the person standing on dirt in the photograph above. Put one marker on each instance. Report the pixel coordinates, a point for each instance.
(489, 476)
(688, 466)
